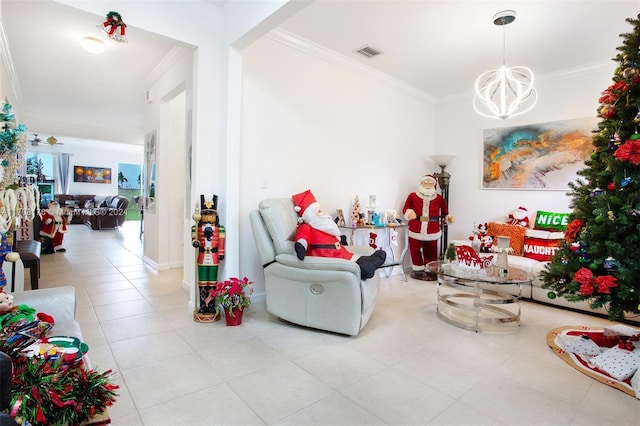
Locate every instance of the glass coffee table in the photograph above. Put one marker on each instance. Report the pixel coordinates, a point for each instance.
(470, 299)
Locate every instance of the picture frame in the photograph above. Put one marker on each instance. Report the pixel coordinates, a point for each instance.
(545, 156)
(391, 216)
(88, 174)
(341, 221)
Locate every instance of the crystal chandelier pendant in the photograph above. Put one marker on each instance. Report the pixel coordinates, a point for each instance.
(505, 92)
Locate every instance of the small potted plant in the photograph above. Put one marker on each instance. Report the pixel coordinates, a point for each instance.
(233, 295)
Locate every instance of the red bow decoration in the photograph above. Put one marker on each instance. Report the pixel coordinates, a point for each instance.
(112, 24)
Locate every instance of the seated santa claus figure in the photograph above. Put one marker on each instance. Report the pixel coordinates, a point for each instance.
(318, 235)
(54, 226)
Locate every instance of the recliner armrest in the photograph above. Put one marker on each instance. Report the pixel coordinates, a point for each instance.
(318, 263)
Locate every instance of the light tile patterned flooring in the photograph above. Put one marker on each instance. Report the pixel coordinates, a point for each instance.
(407, 367)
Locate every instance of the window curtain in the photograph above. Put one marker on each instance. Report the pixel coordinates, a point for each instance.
(63, 172)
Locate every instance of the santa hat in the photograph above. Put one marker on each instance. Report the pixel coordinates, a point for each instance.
(302, 202)
(429, 177)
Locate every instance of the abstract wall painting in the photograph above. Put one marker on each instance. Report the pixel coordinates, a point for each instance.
(544, 156)
(91, 174)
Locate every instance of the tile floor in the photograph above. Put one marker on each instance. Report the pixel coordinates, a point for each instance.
(407, 367)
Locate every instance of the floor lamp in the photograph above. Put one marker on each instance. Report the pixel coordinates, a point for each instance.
(443, 181)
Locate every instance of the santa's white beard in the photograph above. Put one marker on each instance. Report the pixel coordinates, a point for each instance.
(324, 224)
(427, 192)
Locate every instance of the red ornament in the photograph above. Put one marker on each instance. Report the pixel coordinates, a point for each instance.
(607, 111)
(611, 186)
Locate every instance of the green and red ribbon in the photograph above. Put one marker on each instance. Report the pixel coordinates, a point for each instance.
(114, 25)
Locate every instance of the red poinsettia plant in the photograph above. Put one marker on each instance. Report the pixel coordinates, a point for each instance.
(233, 293)
(629, 151)
(590, 284)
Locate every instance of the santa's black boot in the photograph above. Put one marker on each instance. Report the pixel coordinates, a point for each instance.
(367, 269)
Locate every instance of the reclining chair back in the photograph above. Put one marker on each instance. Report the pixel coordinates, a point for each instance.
(274, 224)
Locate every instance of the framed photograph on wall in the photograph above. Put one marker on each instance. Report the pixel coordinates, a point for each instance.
(544, 156)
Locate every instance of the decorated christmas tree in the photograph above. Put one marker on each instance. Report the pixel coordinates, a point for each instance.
(599, 260)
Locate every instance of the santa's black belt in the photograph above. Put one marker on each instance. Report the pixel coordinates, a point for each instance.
(429, 218)
(211, 250)
(335, 246)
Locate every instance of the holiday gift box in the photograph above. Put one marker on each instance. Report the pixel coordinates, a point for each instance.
(581, 345)
(617, 362)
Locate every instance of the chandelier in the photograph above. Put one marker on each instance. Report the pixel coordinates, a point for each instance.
(505, 92)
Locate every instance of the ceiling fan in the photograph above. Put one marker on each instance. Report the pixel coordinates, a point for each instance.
(50, 140)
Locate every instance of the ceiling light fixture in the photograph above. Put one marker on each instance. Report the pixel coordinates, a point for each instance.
(505, 92)
(92, 45)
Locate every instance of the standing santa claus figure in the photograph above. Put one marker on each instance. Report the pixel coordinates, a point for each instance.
(54, 225)
(319, 235)
(424, 209)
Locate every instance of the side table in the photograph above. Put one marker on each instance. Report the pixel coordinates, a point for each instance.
(470, 298)
(391, 259)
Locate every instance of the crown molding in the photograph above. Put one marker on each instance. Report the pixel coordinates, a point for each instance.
(12, 77)
(170, 59)
(303, 45)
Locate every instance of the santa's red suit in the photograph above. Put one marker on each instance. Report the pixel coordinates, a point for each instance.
(429, 209)
(54, 225)
(320, 243)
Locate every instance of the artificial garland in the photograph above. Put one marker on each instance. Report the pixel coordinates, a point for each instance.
(48, 390)
(50, 386)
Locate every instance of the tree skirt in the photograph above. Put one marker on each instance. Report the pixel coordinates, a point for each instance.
(556, 338)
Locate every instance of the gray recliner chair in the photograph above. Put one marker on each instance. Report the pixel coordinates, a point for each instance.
(318, 292)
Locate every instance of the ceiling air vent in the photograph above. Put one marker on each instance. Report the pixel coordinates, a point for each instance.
(368, 51)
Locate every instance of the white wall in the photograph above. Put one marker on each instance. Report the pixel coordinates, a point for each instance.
(310, 124)
(163, 244)
(94, 154)
(560, 97)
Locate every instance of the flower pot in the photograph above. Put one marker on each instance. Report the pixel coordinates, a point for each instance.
(236, 318)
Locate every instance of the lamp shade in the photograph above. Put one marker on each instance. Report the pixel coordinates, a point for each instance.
(442, 160)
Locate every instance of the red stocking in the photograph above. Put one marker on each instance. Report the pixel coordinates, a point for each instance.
(372, 240)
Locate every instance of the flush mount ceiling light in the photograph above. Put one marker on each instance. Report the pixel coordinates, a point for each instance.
(505, 92)
(92, 45)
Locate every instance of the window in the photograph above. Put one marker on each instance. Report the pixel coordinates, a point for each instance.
(41, 165)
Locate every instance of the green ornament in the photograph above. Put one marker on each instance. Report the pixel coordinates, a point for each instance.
(599, 219)
(593, 266)
(635, 137)
(551, 295)
(595, 155)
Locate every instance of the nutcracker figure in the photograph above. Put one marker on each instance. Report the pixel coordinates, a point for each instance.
(208, 237)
